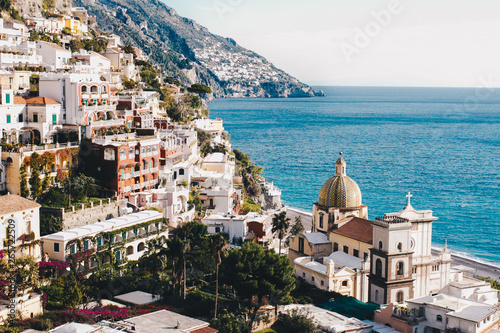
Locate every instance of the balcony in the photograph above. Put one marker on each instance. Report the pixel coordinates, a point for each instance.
(154, 182)
(136, 174)
(125, 189)
(126, 176)
(92, 108)
(154, 169)
(137, 186)
(107, 123)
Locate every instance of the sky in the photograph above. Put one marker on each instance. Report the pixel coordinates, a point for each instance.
(451, 43)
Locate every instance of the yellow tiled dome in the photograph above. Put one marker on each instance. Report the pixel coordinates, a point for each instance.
(340, 191)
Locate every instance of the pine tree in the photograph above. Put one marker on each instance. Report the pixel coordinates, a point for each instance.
(46, 181)
(25, 192)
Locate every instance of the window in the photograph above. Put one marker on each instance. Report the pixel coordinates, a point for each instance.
(346, 249)
(400, 247)
(124, 235)
(301, 245)
(321, 221)
(143, 150)
(56, 247)
(414, 270)
(109, 154)
(118, 256)
(84, 89)
(131, 152)
(94, 90)
(123, 154)
(104, 90)
(312, 278)
(355, 253)
(400, 268)
(378, 267)
(322, 282)
(335, 247)
(99, 241)
(344, 283)
(439, 318)
(400, 297)
(72, 249)
(54, 119)
(181, 172)
(8, 119)
(7, 98)
(20, 118)
(35, 117)
(304, 275)
(380, 245)
(149, 149)
(217, 229)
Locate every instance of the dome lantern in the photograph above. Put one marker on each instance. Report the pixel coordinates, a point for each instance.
(340, 191)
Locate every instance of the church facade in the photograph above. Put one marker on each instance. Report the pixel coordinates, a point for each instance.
(391, 254)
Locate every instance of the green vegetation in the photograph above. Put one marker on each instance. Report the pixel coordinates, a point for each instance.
(200, 89)
(96, 44)
(494, 283)
(66, 31)
(298, 227)
(250, 206)
(250, 173)
(257, 275)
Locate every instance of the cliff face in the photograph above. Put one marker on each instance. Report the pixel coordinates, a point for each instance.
(35, 7)
(189, 51)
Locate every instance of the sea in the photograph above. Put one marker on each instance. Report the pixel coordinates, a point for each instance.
(440, 144)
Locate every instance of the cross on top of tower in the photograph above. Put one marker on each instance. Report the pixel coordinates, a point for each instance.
(409, 196)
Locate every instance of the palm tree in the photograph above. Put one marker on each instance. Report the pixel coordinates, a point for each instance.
(217, 244)
(177, 249)
(281, 224)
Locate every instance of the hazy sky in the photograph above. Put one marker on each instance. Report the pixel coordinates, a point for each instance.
(364, 42)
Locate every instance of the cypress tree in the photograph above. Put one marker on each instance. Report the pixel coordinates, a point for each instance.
(25, 192)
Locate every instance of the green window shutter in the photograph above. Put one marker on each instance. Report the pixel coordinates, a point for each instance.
(7, 98)
(54, 119)
(86, 245)
(8, 119)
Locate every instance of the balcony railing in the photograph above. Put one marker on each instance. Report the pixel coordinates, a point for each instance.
(104, 107)
(107, 123)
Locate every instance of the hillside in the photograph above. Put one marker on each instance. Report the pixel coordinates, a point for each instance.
(188, 51)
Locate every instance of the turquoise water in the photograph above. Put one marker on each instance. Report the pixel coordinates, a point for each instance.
(442, 144)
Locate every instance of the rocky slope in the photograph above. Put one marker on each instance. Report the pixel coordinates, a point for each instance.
(188, 51)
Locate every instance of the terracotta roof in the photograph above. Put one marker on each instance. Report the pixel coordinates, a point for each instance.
(40, 101)
(356, 228)
(19, 100)
(13, 203)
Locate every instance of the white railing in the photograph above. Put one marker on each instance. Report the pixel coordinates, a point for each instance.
(106, 123)
(104, 107)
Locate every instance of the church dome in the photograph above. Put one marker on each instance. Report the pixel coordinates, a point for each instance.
(340, 191)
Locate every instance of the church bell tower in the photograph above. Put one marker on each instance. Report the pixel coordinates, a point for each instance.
(390, 277)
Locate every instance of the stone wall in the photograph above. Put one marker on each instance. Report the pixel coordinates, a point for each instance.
(35, 7)
(80, 217)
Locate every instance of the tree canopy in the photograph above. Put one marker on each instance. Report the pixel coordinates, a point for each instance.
(199, 89)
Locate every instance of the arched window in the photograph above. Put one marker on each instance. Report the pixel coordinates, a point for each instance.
(94, 90)
(380, 245)
(400, 268)
(400, 297)
(321, 221)
(439, 318)
(400, 247)
(123, 154)
(84, 89)
(378, 267)
(131, 152)
(104, 90)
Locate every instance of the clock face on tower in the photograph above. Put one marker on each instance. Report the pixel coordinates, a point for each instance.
(412, 244)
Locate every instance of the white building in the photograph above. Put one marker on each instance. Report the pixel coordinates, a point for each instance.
(104, 235)
(220, 163)
(19, 236)
(86, 100)
(233, 225)
(12, 34)
(29, 119)
(93, 60)
(339, 272)
(54, 56)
